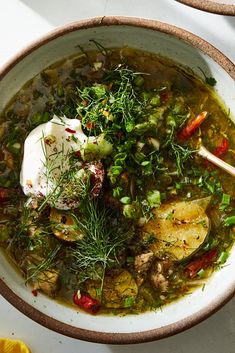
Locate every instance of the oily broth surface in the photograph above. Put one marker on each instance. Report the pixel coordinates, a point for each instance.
(41, 94)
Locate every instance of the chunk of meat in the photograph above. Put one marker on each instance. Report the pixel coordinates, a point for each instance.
(143, 262)
(159, 274)
(48, 282)
(97, 176)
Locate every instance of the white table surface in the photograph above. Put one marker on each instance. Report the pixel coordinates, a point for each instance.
(22, 21)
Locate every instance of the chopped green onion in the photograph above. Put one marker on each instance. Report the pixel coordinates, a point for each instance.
(129, 301)
(225, 202)
(223, 257)
(226, 199)
(144, 163)
(155, 101)
(98, 291)
(154, 198)
(131, 210)
(125, 200)
(14, 148)
(201, 273)
(117, 191)
(229, 221)
(139, 80)
(116, 170)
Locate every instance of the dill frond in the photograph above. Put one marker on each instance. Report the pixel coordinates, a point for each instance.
(33, 270)
(180, 154)
(103, 239)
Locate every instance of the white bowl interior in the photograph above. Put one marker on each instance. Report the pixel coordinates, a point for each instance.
(157, 42)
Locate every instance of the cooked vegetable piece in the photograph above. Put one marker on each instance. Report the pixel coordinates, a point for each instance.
(179, 228)
(220, 150)
(64, 226)
(120, 289)
(87, 303)
(202, 262)
(192, 126)
(47, 281)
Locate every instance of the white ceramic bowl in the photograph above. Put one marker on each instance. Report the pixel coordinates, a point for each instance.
(184, 48)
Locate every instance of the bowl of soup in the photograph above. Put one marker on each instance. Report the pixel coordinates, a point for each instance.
(113, 228)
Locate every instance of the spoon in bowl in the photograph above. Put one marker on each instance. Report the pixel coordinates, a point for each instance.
(204, 153)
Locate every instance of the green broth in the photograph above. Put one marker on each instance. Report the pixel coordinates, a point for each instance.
(156, 228)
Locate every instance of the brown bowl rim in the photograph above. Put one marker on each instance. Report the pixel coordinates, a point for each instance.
(102, 337)
(210, 6)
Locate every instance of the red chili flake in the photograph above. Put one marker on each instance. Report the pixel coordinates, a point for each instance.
(90, 125)
(34, 292)
(77, 154)
(4, 194)
(201, 263)
(87, 303)
(70, 130)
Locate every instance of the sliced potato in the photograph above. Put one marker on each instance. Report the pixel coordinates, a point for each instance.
(64, 227)
(179, 228)
(120, 289)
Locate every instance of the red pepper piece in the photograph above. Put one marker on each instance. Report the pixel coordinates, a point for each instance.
(222, 148)
(87, 303)
(204, 261)
(34, 292)
(192, 126)
(70, 130)
(90, 125)
(219, 151)
(77, 154)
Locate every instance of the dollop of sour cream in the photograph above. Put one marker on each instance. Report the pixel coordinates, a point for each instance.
(47, 153)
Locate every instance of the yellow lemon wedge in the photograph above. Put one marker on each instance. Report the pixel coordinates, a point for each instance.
(13, 346)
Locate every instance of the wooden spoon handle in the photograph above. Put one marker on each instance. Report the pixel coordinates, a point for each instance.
(203, 152)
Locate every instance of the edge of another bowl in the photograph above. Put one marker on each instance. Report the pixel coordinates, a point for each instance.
(211, 6)
(102, 337)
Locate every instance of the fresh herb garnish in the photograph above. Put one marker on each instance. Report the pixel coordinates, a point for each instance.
(103, 240)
